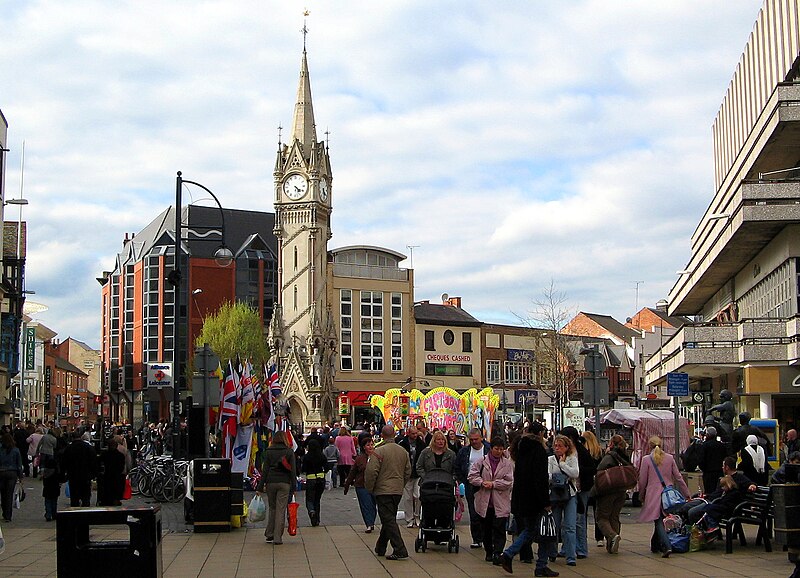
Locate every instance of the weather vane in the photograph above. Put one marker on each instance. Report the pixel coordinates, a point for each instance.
(304, 30)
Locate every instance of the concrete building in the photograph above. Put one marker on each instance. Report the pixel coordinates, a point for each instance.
(741, 281)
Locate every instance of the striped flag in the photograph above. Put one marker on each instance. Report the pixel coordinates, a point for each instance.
(272, 382)
(248, 396)
(229, 413)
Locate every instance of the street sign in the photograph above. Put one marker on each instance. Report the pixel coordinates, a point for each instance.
(159, 375)
(526, 396)
(589, 391)
(209, 362)
(677, 384)
(594, 362)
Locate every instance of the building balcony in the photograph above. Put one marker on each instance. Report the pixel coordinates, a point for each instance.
(370, 272)
(705, 350)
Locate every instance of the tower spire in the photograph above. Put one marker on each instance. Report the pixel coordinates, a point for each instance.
(303, 127)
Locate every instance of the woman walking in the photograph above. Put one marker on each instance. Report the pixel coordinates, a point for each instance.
(10, 473)
(49, 470)
(366, 501)
(279, 475)
(609, 505)
(347, 453)
(565, 461)
(597, 454)
(314, 464)
(437, 456)
(494, 474)
(650, 492)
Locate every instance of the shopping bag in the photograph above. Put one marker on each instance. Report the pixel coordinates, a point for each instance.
(19, 496)
(128, 491)
(66, 489)
(671, 497)
(679, 541)
(293, 506)
(256, 510)
(697, 538)
(545, 529)
(2, 543)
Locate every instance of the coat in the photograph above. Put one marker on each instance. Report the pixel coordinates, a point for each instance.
(650, 486)
(427, 462)
(503, 478)
(531, 493)
(347, 449)
(388, 470)
(569, 467)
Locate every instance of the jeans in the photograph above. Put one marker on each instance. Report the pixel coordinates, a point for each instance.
(565, 514)
(580, 524)
(660, 535)
(334, 472)
(368, 505)
(50, 508)
(314, 489)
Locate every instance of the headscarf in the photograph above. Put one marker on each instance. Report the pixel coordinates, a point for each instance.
(756, 452)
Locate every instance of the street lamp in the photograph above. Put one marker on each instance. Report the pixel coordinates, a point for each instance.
(224, 257)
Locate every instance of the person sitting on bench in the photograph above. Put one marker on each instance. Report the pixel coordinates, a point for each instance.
(731, 491)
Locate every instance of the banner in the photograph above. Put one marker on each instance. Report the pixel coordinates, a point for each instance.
(240, 459)
(30, 348)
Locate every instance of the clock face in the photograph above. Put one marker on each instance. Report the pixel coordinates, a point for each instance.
(295, 187)
(323, 189)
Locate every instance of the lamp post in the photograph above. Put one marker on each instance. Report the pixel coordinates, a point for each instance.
(224, 257)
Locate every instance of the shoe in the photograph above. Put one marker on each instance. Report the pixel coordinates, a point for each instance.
(572, 563)
(379, 553)
(410, 524)
(396, 557)
(269, 539)
(369, 529)
(489, 557)
(561, 555)
(505, 562)
(277, 543)
(614, 547)
(551, 558)
(582, 556)
(666, 554)
(474, 545)
(545, 572)
(496, 560)
(601, 543)
(526, 561)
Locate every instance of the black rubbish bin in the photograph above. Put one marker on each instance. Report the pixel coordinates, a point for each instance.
(86, 544)
(786, 498)
(212, 495)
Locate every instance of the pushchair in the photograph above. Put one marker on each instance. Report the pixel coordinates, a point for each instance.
(437, 494)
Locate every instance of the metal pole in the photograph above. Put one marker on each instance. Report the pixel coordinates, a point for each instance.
(676, 403)
(22, 370)
(206, 385)
(595, 382)
(176, 332)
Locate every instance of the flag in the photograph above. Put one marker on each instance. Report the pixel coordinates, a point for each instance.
(229, 412)
(272, 382)
(284, 427)
(257, 391)
(246, 404)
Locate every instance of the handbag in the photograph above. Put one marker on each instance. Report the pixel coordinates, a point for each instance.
(292, 508)
(670, 496)
(559, 487)
(679, 541)
(127, 492)
(619, 477)
(545, 530)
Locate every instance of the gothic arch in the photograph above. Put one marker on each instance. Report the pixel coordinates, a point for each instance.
(298, 410)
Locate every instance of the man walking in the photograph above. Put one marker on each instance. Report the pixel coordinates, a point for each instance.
(388, 470)
(80, 466)
(468, 455)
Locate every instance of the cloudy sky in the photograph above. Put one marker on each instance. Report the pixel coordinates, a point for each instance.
(511, 143)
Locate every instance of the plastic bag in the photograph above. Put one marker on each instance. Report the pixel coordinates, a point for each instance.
(697, 539)
(19, 496)
(256, 510)
(292, 507)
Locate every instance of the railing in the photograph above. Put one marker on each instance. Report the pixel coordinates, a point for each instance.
(369, 272)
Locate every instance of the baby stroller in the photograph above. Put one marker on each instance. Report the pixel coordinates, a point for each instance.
(438, 499)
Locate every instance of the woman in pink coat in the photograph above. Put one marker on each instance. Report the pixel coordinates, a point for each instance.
(347, 452)
(494, 474)
(650, 492)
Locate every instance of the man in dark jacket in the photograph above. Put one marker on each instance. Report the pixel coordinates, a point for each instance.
(413, 444)
(530, 496)
(721, 502)
(468, 455)
(21, 441)
(711, 456)
(739, 439)
(80, 468)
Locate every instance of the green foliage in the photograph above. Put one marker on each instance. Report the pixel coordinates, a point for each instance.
(235, 329)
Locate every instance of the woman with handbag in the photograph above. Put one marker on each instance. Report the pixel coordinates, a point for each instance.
(564, 472)
(366, 501)
(278, 478)
(609, 503)
(655, 467)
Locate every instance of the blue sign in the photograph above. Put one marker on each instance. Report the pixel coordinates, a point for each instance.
(677, 384)
(526, 397)
(525, 355)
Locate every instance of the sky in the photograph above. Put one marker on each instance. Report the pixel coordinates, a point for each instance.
(514, 145)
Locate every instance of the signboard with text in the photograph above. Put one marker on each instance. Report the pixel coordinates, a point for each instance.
(159, 375)
(677, 384)
(30, 348)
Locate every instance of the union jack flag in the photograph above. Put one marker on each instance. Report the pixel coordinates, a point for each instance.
(272, 382)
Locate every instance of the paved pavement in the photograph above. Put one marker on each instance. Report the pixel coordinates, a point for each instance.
(340, 548)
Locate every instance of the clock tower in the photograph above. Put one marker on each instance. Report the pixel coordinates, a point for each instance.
(302, 337)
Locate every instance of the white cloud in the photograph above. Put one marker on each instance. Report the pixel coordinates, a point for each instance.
(513, 142)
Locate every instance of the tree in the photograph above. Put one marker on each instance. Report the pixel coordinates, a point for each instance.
(549, 315)
(235, 328)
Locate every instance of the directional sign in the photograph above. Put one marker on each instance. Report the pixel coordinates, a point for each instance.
(677, 384)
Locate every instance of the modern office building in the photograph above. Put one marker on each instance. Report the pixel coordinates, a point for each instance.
(742, 281)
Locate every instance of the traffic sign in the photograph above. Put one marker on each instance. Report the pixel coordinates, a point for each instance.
(594, 362)
(677, 384)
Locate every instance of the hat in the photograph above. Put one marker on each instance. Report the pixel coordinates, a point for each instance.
(752, 440)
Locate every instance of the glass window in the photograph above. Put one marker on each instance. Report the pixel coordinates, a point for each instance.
(466, 341)
(429, 340)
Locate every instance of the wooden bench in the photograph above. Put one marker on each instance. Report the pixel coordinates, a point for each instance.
(757, 509)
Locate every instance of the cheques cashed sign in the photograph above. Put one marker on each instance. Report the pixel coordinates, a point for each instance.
(442, 408)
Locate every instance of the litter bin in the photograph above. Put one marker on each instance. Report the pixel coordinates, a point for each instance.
(137, 554)
(786, 498)
(212, 495)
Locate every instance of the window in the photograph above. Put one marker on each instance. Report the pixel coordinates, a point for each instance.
(518, 373)
(397, 332)
(492, 372)
(449, 337)
(448, 369)
(429, 341)
(371, 331)
(466, 341)
(346, 332)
